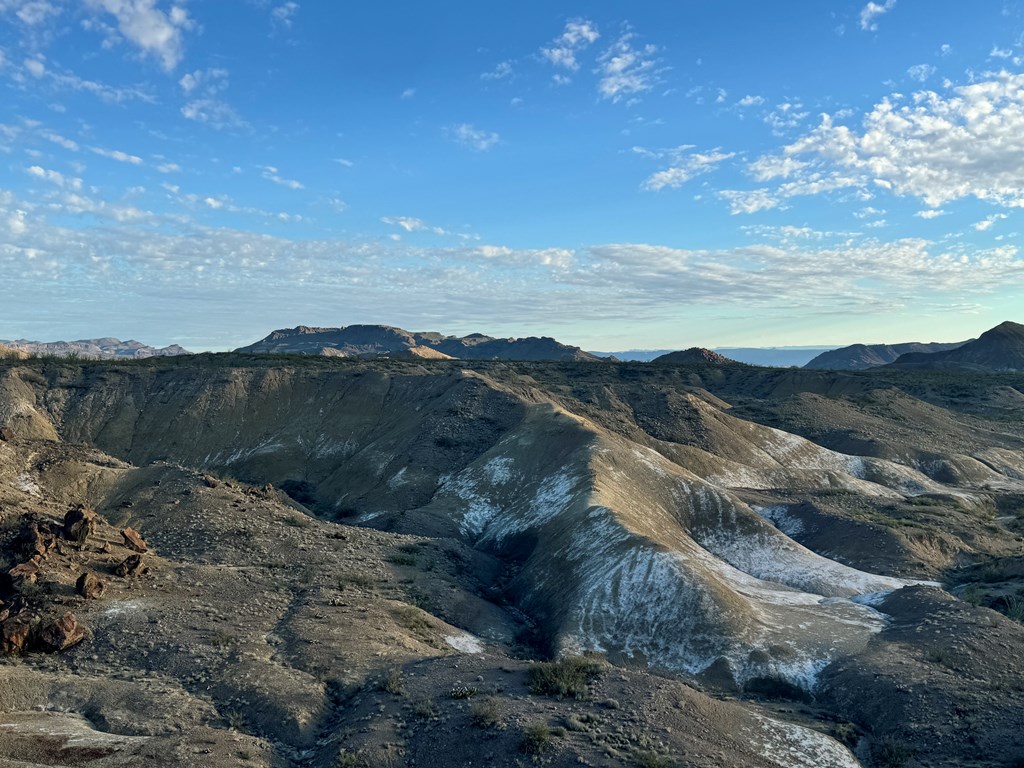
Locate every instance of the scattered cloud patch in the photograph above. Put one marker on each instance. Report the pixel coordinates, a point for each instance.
(412, 224)
(869, 14)
(933, 147)
(500, 72)
(203, 88)
(154, 32)
(578, 35)
(750, 101)
(284, 15)
(627, 71)
(270, 173)
(116, 154)
(684, 165)
(475, 138)
(920, 72)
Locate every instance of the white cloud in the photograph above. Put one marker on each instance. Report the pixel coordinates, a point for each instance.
(344, 162)
(475, 138)
(206, 105)
(285, 14)
(154, 32)
(578, 35)
(750, 101)
(169, 168)
(270, 173)
(56, 138)
(870, 13)
(786, 116)
(36, 67)
(116, 154)
(36, 11)
(408, 93)
(989, 222)
(936, 148)
(54, 177)
(500, 72)
(921, 72)
(412, 224)
(625, 70)
(930, 213)
(684, 166)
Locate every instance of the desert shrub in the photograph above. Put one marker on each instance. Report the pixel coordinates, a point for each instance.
(402, 559)
(536, 739)
(425, 709)
(890, 753)
(460, 691)
(392, 682)
(485, 713)
(569, 677)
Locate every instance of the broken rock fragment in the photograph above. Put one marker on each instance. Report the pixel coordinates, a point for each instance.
(134, 541)
(79, 524)
(89, 586)
(61, 634)
(133, 565)
(16, 632)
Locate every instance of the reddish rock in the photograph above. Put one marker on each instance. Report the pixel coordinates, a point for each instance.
(134, 541)
(24, 573)
(61, 634)
(79, 524)
(89, 586)
(40, 539)
(133, 565)
(17, 631)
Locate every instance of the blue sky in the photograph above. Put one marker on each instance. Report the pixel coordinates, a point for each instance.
(645, 175)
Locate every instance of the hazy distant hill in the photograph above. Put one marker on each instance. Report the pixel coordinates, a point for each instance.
(998, 349)
(858, 357)
(774, 357)
(366, 341)
(107, 348)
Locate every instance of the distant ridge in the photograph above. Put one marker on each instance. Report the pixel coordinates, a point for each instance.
(998, 349)
(369, 341)
(694, 355)
(106, 348)
(858, 357)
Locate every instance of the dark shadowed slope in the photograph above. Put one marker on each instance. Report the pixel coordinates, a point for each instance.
(858, 357)
(998, 349)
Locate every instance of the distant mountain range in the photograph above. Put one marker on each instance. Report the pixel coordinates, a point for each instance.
(858, 357)
(773, 357)
(998, 349)
(368, 341)
(107, 348)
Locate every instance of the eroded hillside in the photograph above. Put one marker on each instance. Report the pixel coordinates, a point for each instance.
(341, 548)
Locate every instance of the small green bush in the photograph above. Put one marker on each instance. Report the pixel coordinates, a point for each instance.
(536, 739)
(567, 678)
(485, 713)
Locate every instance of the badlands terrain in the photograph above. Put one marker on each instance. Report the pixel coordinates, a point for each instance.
(266, 560)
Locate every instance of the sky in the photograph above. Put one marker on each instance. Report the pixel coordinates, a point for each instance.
(642, 175)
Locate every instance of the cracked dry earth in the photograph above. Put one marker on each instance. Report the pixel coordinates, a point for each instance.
(448, 528)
